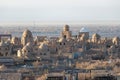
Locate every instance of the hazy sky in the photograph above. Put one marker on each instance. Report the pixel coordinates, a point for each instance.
(59, 10)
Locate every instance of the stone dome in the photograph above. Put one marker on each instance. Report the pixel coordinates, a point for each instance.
(26, 33)
(83, 37)
(14, 39)
(115, 39)
(66, 28)
(83, 29)
(96, 36)
(26, 37)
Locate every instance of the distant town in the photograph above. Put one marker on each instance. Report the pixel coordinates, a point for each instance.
(65, 57)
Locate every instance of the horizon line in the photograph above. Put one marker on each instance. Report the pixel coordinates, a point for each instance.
(60, 22)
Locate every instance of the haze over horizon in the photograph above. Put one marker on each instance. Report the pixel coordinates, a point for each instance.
(65, 11)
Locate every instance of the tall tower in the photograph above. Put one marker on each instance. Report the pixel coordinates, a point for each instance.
(66, 33)
(26, 37)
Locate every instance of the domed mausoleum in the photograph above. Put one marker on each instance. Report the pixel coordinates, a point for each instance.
(115, 40)
(66, 33)
(26, 37)
(95, 37)
(85, 32)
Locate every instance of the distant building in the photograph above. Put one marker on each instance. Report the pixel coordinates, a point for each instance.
(5, 37)
(84, 32)
(31, 57)
(26, 37)
(66, 33)
(5, 48)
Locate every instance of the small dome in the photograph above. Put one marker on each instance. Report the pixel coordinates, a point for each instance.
(83, 30)
(26, 37)
(116, 39)
(83, 37)
(27, 32)
(66, 28)
(14, 39)
(95, 35)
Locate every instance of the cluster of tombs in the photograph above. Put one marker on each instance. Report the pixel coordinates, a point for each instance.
(28, 47)
(50, 53)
